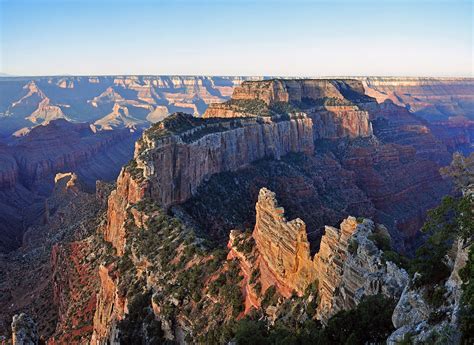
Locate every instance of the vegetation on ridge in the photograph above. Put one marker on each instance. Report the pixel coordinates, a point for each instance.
(356, 326)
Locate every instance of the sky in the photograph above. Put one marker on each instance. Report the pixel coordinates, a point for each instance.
(237, 37)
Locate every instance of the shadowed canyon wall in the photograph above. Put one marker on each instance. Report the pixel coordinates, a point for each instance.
(28, 166)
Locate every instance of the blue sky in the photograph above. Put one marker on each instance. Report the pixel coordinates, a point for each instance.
(237, 37)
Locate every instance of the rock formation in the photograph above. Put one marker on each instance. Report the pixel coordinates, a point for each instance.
(142, 269)
(29, 164)
(324, 101)
(53, 275)
(415, 318)
(118, 118)
(110, 306)
(186, 163)
(46, 113)
(347, 267)
(283, 247)
(350, 266)
(434, 99)
(193, 153)
(146, 98)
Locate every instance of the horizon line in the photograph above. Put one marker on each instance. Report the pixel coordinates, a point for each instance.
(6, 75)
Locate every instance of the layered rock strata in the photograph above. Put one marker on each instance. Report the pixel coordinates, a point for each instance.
(347, 267)
(141, 99)
(350, 266)
(185, 165)
(188, 158)
(282, 245)
(434, 99)
(329, 103)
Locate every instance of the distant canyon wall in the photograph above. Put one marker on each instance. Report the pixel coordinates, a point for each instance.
(28, 166)
(326, 102)
(109, 101)
(135, 101)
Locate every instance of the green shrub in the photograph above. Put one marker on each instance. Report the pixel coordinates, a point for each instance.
(434, 295)
(249, 332)
(254, 276)
(381, 240)
(270, 297)
(359, 326)
(353, 246)
(258, 288)
(396, 258)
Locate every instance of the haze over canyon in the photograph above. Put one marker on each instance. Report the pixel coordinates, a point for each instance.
(218, 209)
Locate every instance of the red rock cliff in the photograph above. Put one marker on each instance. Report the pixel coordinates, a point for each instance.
(343, 275)
(177, 168)
(331, 104)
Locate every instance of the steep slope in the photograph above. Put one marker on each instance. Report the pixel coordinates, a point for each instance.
(333, 115)
(446, 104)
(30, 273)
(29, 164)
(434, 99)
(282, 258)
(396, 166)
(157, 251)
(118, 118)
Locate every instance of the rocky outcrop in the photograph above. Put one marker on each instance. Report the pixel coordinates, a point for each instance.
(331, 104)
(233, 145)
(350, 267)
(110, 308)
(46, 112)
(180, 154)
(315, 188)
(283, 247)
(118, 118)
(418, 320)
(24, 330)
(128, 191)
(282, 90)
(333, 122)
(29, 164)
(347, 267)
(170, 166)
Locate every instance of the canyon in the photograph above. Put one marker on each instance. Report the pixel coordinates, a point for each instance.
(136, 101)
(168, 252)
(110, 101)
(28, 166)
(344, 276)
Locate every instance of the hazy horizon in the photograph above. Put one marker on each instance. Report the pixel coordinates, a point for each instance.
(237, 38)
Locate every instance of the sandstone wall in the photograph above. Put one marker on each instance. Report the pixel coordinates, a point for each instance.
(271, 91)
(347, 274)
(282, 245)
(176, 168)
(339, 118)
(334, 122)
(344, 275)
